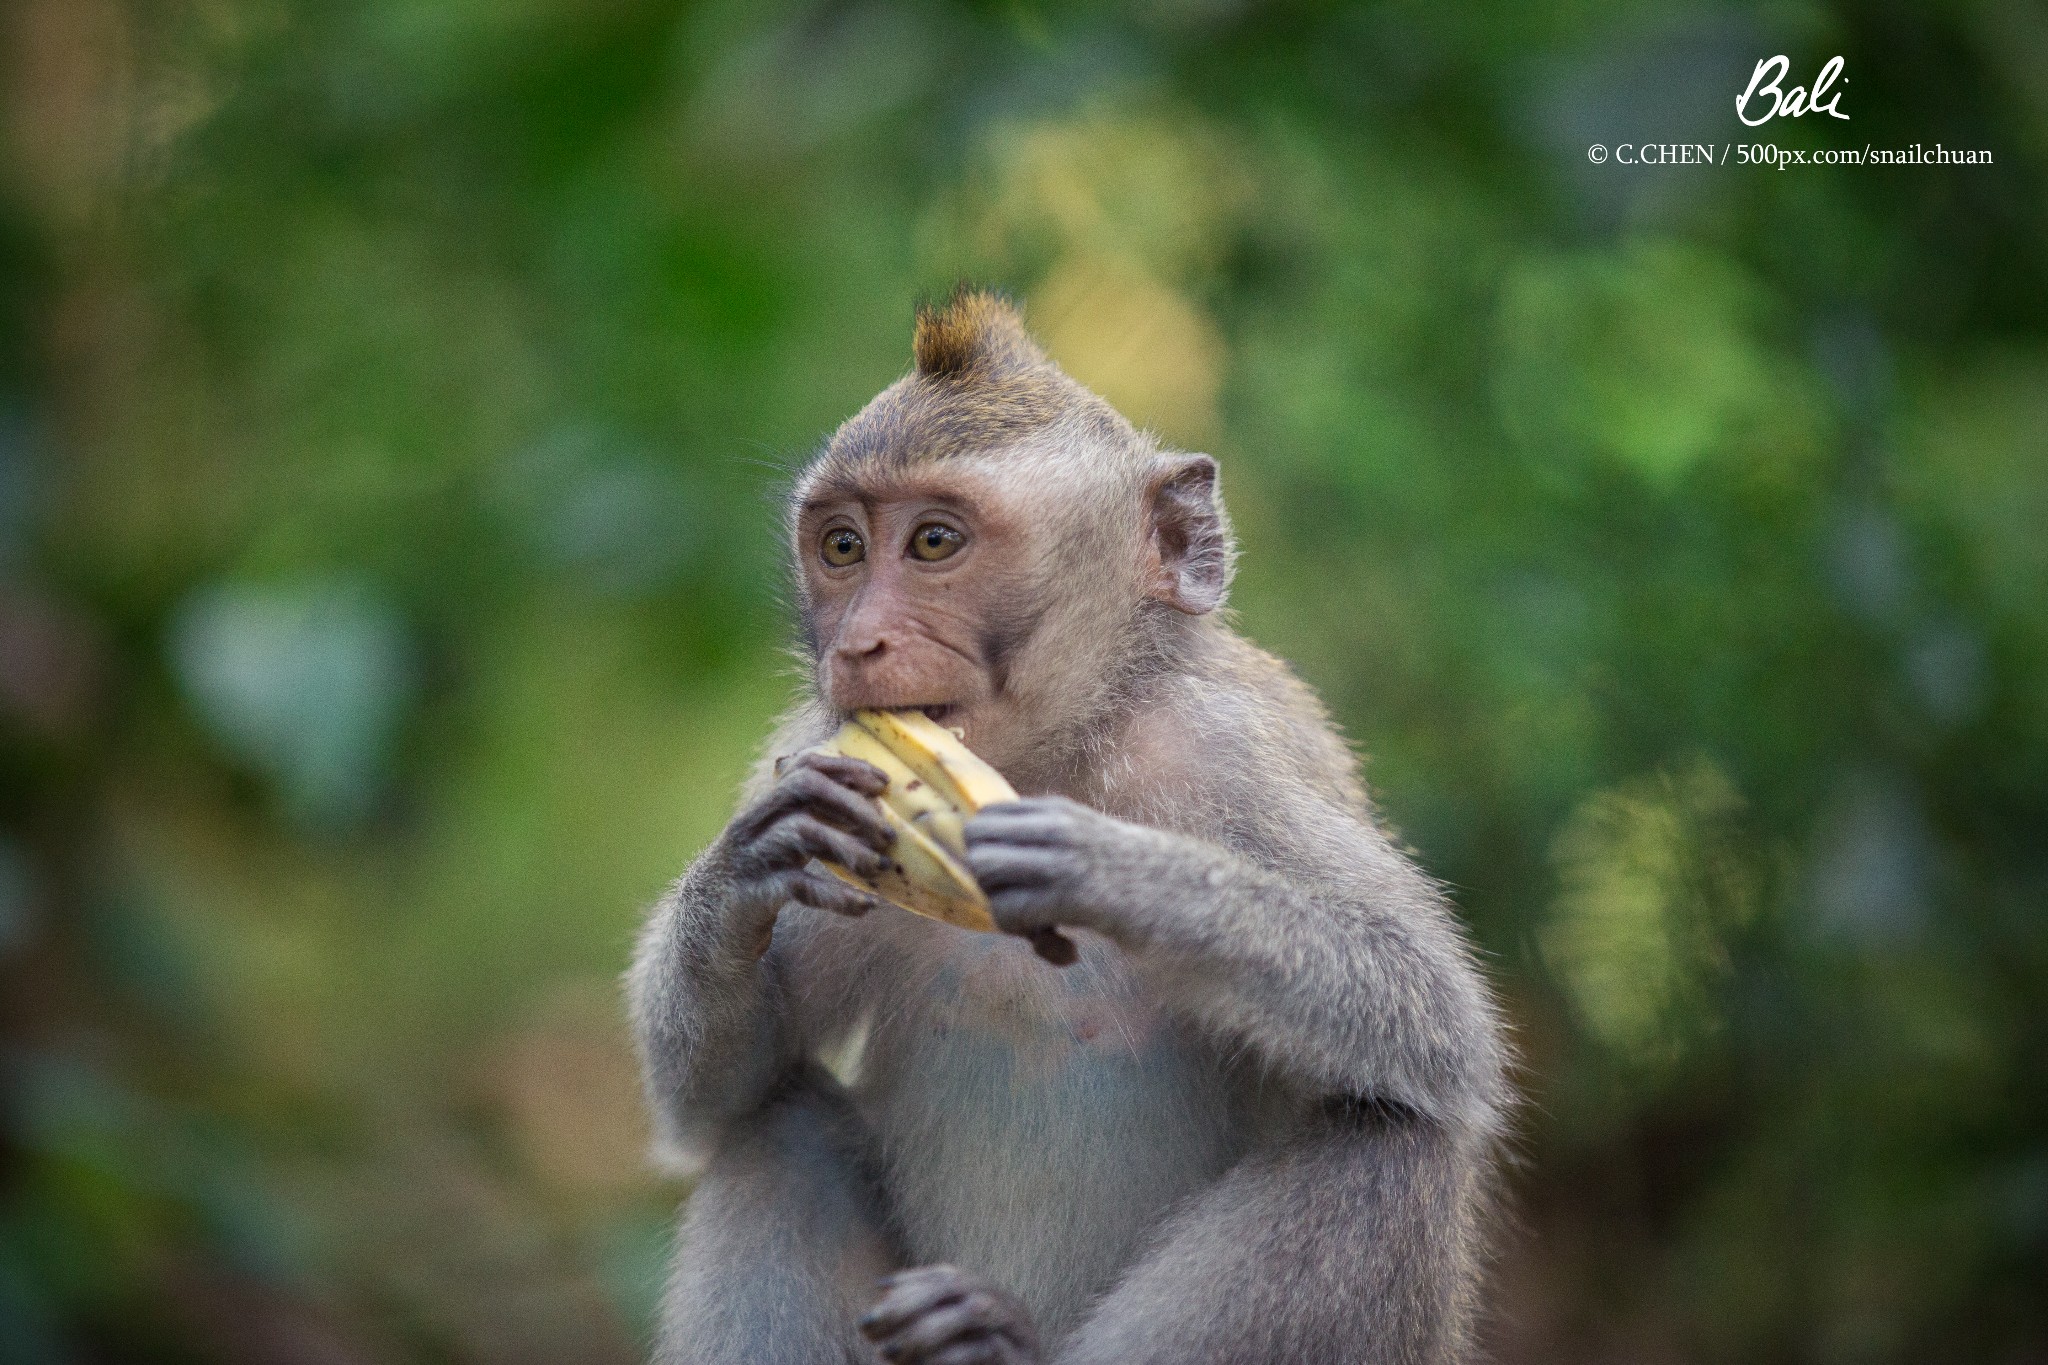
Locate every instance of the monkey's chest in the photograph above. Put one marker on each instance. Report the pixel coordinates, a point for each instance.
(992, 1028)
(1037, 1122)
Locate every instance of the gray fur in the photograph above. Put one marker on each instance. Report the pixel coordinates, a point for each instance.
(790, 1199)
(1256, 1122)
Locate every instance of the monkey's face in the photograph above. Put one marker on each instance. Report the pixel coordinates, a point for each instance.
(916, 595)
(991, 543)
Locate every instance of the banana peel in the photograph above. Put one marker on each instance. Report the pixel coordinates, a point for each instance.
(935, 783)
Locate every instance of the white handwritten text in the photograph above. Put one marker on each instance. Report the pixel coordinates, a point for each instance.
(1794, 102)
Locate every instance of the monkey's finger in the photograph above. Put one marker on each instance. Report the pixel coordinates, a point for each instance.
(1021, 909)
(819, 795)
(952, 1322)
(910, 1294)
(858, 774)
(1034, 916)
(827, 893)
(999, 867)
(816, 793)
(1025, 806)
(797, 839)
(978, 1351)
(1031, 831)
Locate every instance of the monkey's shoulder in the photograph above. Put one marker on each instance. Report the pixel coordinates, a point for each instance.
(1239, 735)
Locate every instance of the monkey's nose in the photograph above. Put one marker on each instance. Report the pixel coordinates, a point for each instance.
(861, 651)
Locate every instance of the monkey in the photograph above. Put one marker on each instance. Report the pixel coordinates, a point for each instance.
(1252, 1114)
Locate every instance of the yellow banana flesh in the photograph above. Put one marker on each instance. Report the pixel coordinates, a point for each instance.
(937, 755)
(935, 783)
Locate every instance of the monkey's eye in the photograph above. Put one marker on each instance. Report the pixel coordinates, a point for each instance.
(935, 540)
(842, 546)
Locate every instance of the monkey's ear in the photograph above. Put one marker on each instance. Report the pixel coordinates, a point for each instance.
(1190, 536)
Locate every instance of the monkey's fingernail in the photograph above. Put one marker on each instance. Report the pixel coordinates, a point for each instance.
(1055, 947)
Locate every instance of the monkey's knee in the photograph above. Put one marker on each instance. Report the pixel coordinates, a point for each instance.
(781, 1242)
(1354, 1244)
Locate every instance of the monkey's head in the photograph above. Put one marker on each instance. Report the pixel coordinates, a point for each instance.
(991, 542)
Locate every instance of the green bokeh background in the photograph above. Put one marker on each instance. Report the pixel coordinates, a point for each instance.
(393, 398)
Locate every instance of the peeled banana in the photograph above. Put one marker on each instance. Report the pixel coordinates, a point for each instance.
(935, 783)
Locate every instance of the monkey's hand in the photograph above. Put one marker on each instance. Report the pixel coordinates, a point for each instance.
(1047, 861)
(941, 1315)
(819, 807)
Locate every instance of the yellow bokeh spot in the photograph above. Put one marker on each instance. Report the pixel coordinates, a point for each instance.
(1652, 881)
(1156, 357)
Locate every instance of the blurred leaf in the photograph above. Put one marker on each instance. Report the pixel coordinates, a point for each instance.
(1654, 882)
(305, 683)
(1649, 358)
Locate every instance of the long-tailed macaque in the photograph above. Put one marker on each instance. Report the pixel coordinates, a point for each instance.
(1254, 1122)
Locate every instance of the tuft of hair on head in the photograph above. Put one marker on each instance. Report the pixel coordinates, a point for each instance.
(977, 333)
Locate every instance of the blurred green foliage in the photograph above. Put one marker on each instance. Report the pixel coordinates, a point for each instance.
(392, 402)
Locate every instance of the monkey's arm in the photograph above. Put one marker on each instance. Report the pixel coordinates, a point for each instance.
(716, 1012)
(707, 1006)
(1344, 971)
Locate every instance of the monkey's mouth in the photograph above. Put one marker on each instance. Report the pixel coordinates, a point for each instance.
(944, 712)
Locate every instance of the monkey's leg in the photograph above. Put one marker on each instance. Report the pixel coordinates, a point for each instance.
(1355, 1242)
(782, 1241)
